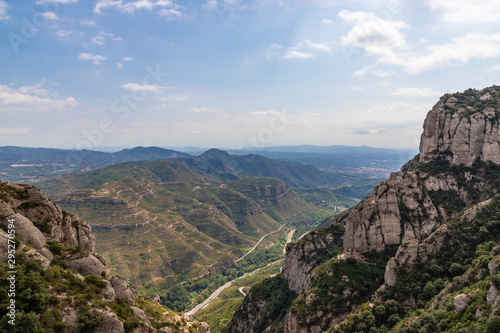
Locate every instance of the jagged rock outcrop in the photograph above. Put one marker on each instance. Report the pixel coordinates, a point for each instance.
(302, 257)
(463, 133)
(455, 137)
(409, 251)
(399, 210)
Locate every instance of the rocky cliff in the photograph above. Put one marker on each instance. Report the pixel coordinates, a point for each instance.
(61, 283)
(461, 131)
(425, 231)
(464, 128)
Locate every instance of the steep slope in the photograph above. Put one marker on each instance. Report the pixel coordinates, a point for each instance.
(53, 280)
(160, 223)
(417, 217)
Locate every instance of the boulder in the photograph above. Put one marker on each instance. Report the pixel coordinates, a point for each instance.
(110, 323)
(461, 302)
(88, 265)
(122, 291)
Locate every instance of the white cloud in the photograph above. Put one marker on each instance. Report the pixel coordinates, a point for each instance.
(373, 71)
(302, 50)
(175, 98)
(416, 92)
(460, 50)
(465, 11)
(326, 21)
(290, 54)
(167, 7)
(96, 58)
(102, 36)
(88, 22)
(383, 39)
(120, 64)
(50, 16)
(143, 87)
(3, 10)
(202, 110)
(64, 33)
(171, 13)
(375, 35)
(31, 99)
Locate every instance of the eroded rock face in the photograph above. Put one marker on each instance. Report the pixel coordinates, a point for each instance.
(122, 291)
(465, 135)
(39, 220)
(399, 210)
(301, 259)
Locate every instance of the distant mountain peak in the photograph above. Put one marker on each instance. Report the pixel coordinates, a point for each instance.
(216, 153)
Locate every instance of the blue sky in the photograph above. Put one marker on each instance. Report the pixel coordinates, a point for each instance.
(232, 73)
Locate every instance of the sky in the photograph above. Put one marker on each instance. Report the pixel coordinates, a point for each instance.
(236, 74)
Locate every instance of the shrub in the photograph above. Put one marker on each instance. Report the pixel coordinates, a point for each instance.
(88, 321)
(456, 269)
(493, 325)
(98, 282)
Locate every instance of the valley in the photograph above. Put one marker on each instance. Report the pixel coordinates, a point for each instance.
(161, 224)
(190, 230)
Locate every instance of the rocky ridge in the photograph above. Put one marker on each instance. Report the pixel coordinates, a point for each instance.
(64, 244)
(464, 127)
(411, 211)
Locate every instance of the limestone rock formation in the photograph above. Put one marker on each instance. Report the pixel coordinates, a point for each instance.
(301, 258)
(463, 133)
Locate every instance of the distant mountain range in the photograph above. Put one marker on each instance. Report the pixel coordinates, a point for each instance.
(225, 166)
(300, 166)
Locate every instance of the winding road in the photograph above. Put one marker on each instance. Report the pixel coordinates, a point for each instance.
(190, 313)
(260, 240)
